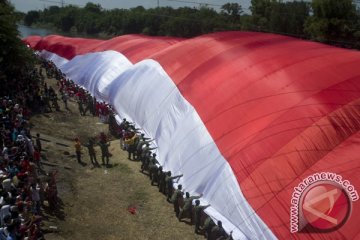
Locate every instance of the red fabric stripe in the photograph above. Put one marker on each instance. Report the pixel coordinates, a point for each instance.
(134, 47)
(260, 96)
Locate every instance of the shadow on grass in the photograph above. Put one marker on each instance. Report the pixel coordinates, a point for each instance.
(187, 222)
(57, 211)
(82, 163)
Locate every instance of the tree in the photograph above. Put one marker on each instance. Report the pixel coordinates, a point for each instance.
(31, 17)
(261, 10)
(92, 7)
(288, 17)
(211, 21)
(14, 55)
(331, 20)
(232, 9)
(66, 18)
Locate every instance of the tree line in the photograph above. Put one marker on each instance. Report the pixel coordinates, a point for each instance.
(330, 21)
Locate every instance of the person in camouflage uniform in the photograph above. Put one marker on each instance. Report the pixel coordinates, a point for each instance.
(208, 225)
(175, 198)
(145, 157)
(198, 211)
(104, 146)
(153, 169)
(218, 232)
(92, 153)
(139, 147)
(169, 184)
(161, 177)
(187, 207)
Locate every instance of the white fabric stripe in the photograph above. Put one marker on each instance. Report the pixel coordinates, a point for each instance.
(59, 61)
(145, 94)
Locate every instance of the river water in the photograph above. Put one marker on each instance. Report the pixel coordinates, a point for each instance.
(28, 31)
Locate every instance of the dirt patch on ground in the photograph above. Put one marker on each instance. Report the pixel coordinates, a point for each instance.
(96, 201)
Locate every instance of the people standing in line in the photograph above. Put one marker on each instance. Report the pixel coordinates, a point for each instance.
(164, 179)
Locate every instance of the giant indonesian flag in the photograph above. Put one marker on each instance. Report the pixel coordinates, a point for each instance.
(246, 117)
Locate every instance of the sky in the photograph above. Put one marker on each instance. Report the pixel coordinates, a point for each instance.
(26, 5)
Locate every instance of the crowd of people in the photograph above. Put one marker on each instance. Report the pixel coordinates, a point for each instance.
(138, 147)
(25, 186)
